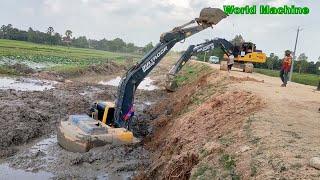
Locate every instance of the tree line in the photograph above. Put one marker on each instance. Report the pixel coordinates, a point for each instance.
(54, 38)
(273, 62)
(300, 65)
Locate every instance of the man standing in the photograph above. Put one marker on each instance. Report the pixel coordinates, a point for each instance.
(230, 60)
(285, 68)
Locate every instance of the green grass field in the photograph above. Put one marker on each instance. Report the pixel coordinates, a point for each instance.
(308, 79)
(59, 57)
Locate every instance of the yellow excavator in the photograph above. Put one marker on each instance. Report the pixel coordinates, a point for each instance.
(109, 122)
(245, 55)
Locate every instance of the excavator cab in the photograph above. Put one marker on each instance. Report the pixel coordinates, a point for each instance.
(103, 111)
(248, 47)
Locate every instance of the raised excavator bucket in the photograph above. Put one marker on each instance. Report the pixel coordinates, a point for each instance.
(211, 16)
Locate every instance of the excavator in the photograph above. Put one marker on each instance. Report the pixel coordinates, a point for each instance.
(245, 55)
(109, 122)
(171, 84)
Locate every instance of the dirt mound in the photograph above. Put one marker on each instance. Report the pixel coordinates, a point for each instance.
(20, 68)
(240, 79)
(189, 131)
(106, 68)
(61, 74)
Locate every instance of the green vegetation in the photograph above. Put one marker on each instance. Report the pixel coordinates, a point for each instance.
(191, 72)
(226, 140)
(204, 171)
(58, 58)
(7, 70)
(229, 164)
(308, 79)
(54, 38)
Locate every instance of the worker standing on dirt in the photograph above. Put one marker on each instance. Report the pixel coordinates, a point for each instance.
(230, 60)
(285, 68)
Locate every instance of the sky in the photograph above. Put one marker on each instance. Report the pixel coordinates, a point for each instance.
(143, 21)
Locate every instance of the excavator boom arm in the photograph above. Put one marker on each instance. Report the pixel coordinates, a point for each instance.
(131, 80)
(191, 51)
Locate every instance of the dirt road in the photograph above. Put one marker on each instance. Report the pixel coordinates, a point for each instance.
(286, 130)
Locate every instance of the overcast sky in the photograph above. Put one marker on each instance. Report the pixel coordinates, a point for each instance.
(142, 21)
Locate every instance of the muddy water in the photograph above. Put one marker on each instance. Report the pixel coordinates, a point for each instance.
(146, 84)
(39, 148)
(25, 84)
(6, 172)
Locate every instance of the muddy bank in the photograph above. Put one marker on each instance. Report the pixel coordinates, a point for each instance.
(28, 115)
(198, 133)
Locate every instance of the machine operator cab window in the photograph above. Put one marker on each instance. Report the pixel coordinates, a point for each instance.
(103, 111)
(247, 47)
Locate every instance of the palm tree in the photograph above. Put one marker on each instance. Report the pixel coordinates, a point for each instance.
(67, 39)
(50, 31)
(68, 34)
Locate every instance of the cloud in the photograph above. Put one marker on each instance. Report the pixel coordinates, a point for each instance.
(142, 21)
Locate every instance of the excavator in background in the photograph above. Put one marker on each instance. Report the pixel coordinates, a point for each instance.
(171, 83)
(242, 60)
(109, 122)
(244, 54)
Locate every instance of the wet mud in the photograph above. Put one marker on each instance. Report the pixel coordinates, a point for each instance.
(29, 118)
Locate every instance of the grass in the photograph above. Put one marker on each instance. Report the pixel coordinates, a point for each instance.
(203, 172)
(229, 164)
(307, 79)
(191, 72)
(7, 70)
(70, 57)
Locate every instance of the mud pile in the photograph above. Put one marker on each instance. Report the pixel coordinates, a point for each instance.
(106, 68)
(27, 115)
(239, 79)
(21, 68)
(182, 133)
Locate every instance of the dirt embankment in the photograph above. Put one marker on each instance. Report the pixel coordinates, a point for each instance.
(198, 130)
(61, 74)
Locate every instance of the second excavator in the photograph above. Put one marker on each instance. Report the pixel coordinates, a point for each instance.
(171, 84)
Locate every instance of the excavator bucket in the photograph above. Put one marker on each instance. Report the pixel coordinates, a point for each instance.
(171, 83)
(80, 133)
(211, 16)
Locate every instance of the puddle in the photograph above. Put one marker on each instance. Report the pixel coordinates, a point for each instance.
(6, 172)
(146, 84)
(24, 170)
(25, 84)
(148, 103)
(43, 147)
(114, 177)
(90, 91)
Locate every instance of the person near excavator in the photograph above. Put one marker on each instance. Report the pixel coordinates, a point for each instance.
(230, 60)
(285, 68)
